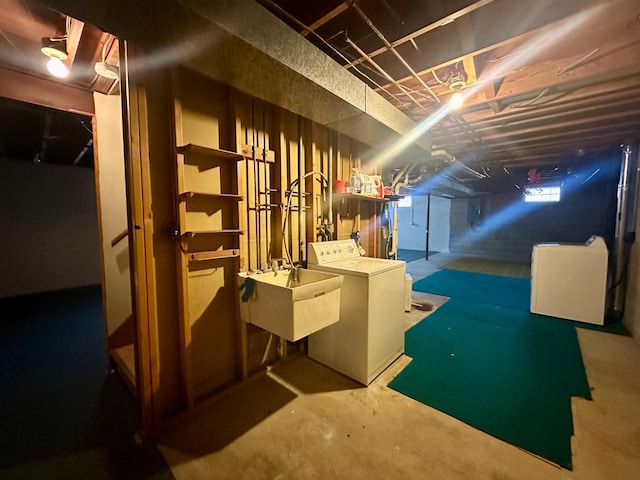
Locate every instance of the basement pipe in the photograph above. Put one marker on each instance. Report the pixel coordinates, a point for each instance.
(300, 209)
(330, 187)
(440, 153)
(453, 183)
(426, 248)
(397, 186)
(625, 230)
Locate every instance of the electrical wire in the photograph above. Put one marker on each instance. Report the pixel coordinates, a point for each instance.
(530, 102)
(578, 62)
(433, 72)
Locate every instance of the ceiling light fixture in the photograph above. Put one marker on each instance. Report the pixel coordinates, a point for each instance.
(456, 101)
(57, 68)
(103, 69)
(56, 50)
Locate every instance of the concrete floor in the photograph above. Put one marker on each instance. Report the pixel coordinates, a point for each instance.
(302, 420)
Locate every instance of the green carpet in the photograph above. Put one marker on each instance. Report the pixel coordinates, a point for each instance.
(510, 292)
(499, 290)
(506, 372)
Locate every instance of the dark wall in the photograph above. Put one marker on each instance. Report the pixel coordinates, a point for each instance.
(503, 227)
(49, 228)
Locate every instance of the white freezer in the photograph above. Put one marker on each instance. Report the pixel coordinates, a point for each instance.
(570, 280)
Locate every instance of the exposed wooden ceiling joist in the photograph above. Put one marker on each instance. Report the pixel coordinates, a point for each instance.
(40, 91)
(326, 18)
(426, 29)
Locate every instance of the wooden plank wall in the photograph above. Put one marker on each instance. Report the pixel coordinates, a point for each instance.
(209, 292)
(216, 348)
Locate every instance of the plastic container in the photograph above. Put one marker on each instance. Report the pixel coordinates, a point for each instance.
(341, 186)
(356, 181)
(367, 185)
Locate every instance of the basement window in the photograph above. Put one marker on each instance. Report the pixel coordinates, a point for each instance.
(542, 194)
(405, 202)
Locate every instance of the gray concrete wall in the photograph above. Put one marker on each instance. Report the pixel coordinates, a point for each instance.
(49, 228)
(508, 227)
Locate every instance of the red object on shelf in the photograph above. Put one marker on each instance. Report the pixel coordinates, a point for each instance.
(340, 186)
(378, 187)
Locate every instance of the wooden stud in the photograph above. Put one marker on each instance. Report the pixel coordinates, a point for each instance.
(139, 286)
(184, 327)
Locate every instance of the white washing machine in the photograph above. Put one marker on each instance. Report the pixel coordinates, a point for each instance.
(369, 335)
(570, 280)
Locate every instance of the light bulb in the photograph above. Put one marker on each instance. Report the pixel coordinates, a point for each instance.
(455, 102)
(57, 68)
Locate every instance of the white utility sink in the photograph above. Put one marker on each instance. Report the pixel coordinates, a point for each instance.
(290, 308)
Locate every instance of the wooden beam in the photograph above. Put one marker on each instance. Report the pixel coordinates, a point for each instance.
(515, 132)
(74, 35)
(531, 81)
(584, 30)
(582, 132)
(326, 18)
(467, 40)
(602, 105)
(134, 157)
(584, 97)
(426, 29)
(46, 92)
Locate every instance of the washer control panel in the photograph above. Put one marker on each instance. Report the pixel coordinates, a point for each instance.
(326, 252)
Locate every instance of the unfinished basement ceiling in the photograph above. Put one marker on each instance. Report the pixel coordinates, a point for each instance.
(23, 23)
(548, 85)
(38, 134)
(29, 131)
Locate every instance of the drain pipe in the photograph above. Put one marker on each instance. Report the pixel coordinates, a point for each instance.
(625, 231)
(397, 184)
(330, 187)
(300, 209)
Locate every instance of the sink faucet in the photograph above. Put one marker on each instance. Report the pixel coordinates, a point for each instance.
(277, 263)
(295, 269)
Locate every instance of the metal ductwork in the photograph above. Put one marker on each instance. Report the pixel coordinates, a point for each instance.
(442, 185)
(625, 227)
(241, 44)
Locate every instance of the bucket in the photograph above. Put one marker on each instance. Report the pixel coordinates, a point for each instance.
(340, 186)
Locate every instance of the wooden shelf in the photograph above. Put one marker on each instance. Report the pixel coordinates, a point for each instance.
(189, 194)
(394, 198)
(213, 255)
(357, 196)
(226, 231)
(209, 152)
